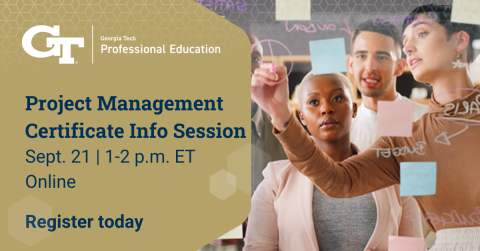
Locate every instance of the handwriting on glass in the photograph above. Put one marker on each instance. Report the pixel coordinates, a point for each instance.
(398, 20)
(443, 138)
(459, 64)
(473, 106)
(312, 28)
(455, 218)
(397, 151)
(229, 5)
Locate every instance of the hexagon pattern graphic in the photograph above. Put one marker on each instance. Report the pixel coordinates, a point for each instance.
(345, 15)
(258, 16)
(17, 213)
(223, 184)
(234, 165)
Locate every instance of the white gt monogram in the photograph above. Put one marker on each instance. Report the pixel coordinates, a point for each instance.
(56, 41)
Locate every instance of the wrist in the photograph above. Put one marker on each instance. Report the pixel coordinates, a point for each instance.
(281, 120)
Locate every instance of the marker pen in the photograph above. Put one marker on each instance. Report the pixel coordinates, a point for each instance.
(273, 69)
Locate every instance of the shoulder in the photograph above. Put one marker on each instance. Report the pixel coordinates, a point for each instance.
(278, 172)
(418, 109)
(278, 168)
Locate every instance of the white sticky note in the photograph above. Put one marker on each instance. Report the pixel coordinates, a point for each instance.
(466, 11)
(236, 233)
(292, 10)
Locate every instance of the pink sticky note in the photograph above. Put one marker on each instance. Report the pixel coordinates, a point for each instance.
(397, 243)
(395, 119)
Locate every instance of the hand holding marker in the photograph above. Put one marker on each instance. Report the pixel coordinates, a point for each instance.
(270, 91)
(278, 70)
(273, 70)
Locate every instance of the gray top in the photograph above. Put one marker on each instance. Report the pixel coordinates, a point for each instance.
(343, 224)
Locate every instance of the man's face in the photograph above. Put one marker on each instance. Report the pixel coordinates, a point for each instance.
(374, 63)
(257, 53)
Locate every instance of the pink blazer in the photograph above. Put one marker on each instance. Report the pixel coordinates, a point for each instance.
(281, 215)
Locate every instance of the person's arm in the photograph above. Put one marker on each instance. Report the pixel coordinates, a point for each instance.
(262, 230)
(410, 210)
(357, 175)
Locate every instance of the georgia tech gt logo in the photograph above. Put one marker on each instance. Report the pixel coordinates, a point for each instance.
(66, 43)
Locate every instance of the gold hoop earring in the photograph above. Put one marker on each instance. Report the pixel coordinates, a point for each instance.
(428, 85)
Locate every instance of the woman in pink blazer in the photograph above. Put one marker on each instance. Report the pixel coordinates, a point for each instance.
(289, 213)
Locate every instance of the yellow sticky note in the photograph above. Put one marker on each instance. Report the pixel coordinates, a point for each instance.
(292, 10)
(466, 11)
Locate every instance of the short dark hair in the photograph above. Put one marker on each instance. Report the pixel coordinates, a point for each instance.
(443, 16)
(371, 26)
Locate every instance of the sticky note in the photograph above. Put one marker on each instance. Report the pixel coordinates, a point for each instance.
(395, 119)
(292, 10)
(236, 233)
(397, 243)
(466, 11)
(328, 56)
(418, 178)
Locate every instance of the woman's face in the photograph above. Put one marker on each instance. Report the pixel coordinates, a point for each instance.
(431, 54)
(326, 107)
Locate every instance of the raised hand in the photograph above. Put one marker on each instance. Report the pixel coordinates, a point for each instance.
(270, 92)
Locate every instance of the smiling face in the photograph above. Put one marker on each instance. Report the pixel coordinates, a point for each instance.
(429, 52)
(375, 63)
(326, 107)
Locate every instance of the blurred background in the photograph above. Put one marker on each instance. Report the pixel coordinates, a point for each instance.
(329, 19)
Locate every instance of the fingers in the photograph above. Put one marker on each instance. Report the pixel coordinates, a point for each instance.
(265, 69)
(260, 80)
(263, 76)
(269, 94)
(265, 73)
(280, 70)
